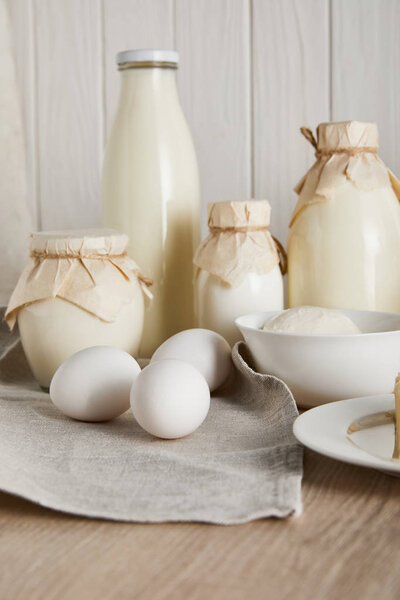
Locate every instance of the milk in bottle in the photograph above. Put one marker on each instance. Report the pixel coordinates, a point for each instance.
(150, 188)
(344, 241)
(238, 266)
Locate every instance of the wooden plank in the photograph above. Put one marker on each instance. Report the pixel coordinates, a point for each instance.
(366, 69)
(345, 545)
(214, 85)
(132, 24)
(69, 111)
(291, 76)
(21, 17)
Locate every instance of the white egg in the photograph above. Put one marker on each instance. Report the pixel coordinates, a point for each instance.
(170, 399)
(94, 384)
(206, 350)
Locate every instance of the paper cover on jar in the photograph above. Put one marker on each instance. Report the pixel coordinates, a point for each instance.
(345, 151)
(80, 267)
(239, 241)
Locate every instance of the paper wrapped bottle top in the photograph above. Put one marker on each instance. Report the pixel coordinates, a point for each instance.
(347, 134)
(81, 243)
(255, 213)
(344, 151)
(239, 241)
(89, 268)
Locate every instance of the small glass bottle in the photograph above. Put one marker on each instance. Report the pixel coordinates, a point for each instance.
(151, 188)
(238, 267)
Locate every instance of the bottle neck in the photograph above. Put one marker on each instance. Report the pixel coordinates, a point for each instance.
(152, 81)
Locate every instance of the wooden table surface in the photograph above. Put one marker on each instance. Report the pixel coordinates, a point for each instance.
(345, 545)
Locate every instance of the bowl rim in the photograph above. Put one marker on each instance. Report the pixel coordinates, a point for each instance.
(325, 336)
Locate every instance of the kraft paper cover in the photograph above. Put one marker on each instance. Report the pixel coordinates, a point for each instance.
(345, 151)
(88, 268)
(239, 241)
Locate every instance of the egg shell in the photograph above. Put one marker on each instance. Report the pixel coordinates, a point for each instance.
(94, 384)
(206, 350)
(170, 399)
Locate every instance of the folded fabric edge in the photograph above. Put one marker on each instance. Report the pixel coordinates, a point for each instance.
(36, 498)
(294, 512)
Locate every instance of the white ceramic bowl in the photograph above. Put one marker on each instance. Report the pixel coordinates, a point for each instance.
(323, 368)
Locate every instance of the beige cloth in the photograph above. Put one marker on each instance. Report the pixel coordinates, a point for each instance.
(15, 218)
(88, 268)
(239, 241)
(333, 167)
(243, 463)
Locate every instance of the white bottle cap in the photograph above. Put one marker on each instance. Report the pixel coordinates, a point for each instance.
(160, 56)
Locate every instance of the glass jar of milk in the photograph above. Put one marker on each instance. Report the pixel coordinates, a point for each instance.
(151, 188)
(79, 289)
(238, 266)
(344, 240)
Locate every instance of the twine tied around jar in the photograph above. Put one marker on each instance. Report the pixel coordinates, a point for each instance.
(79, 256)
(249, 228)
(351, 151)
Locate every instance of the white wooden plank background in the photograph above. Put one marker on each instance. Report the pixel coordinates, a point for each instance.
(214, 85)
(21, 16)
(252, 72)
(291, 88)
(132, 24)
(366, 69)
(69, 111)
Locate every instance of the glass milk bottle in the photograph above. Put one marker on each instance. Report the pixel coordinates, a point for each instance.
(344, 240)
(151, 188)
(238, 267)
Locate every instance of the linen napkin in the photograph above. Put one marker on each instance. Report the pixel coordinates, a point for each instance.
(243, 463)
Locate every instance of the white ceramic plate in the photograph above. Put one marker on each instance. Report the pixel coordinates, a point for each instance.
(325, 429)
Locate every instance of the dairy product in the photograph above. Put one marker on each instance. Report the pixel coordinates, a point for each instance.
(312, 320)
(78, 290)
(219, 304)
(151, 188)
(239, 269)
(346, 253)
(53, 330)
(344, 240)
